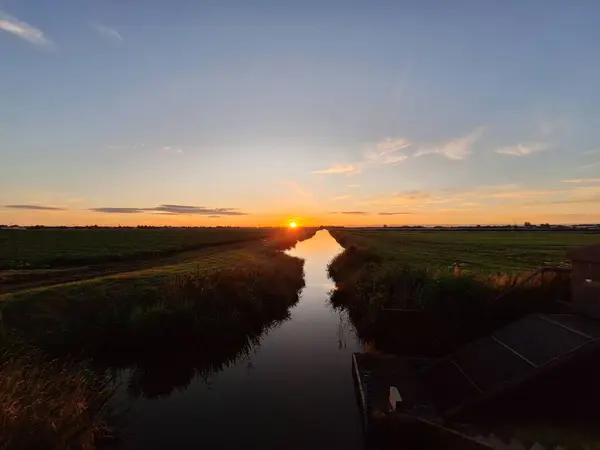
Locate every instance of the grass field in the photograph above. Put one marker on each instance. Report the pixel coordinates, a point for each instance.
(401, 290)
(476, 251)
(52, 248)
(200, 246)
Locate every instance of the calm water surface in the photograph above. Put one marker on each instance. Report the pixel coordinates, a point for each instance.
(294, 390)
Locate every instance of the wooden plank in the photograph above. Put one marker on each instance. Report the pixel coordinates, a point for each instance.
(519, 380)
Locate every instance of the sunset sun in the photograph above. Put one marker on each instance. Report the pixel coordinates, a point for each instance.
(293, 224)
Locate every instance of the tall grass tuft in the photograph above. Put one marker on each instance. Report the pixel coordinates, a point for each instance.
(49, 404)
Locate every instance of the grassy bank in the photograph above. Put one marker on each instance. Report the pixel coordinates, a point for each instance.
(419, 310)
(198, 316)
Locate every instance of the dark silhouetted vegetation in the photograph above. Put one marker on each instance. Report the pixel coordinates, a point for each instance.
(419, 310)
(50, 404)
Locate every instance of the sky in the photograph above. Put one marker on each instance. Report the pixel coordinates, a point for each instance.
(236, 112)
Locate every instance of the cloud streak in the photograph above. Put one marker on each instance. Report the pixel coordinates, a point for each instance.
(35, 207)
(106, 32)
(173, 209)
(523, 149)
(387, 152)
(383, 153)
(393, 151)
(24, 31)
(455, 149)
(339, 169)
(391, 213)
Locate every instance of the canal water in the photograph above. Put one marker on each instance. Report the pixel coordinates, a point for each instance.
(292, 390)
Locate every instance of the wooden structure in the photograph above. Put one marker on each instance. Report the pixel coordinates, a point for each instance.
(585, 279)
(530, 353)
(448, 389)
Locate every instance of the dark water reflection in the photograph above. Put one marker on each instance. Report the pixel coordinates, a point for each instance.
(288, 386)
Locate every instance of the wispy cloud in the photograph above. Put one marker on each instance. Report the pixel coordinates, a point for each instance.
(523, 149)
(456, 149)
(582, 180)
(339, 169)
(342, 197)
(173, 209)
(388, 151)
(393, 151)
(393, 213)
(382, 153)
(107, 32)
(23, 30)
(35, 207)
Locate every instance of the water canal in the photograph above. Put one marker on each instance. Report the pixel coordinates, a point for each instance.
(292, 388)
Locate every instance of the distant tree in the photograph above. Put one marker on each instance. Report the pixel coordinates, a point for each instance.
(528, 224)
(385, 226)
(478, 226)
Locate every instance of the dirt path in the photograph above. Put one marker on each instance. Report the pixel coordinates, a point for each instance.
(12, 281)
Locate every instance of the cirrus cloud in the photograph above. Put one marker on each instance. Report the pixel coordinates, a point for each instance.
(24, 31)
(107, 32)
(339, 169)
(523, 149)
(456, 149)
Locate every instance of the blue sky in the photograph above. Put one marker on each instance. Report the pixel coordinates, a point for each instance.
(235, 112)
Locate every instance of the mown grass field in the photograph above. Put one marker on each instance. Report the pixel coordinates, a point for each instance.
(476, 251)
(54, 248)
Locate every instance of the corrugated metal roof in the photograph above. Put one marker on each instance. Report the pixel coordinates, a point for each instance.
(587, 254)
